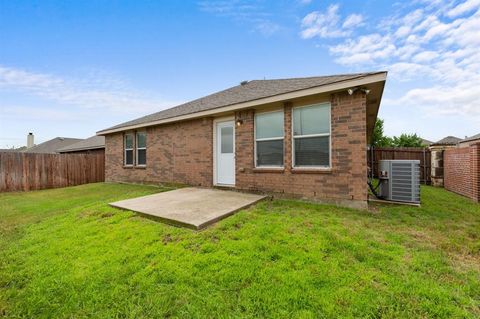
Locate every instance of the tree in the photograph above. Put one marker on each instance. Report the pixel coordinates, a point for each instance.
(404, 140)
(378, 138)
(407, 140)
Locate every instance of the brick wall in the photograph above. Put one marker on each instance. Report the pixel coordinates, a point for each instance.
(462, 171)
(345, 183)
(180, 152)
(183, 153)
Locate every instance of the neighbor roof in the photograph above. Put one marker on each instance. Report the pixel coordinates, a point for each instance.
(246, 92)
(91, 143)
(449, 140)
(426, 142)
(471, 138)
(52, 145)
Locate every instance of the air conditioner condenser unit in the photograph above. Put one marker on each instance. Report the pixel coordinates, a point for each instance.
(400, 180)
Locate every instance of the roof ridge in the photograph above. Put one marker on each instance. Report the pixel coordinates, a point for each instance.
(320, 76)
(251, 91)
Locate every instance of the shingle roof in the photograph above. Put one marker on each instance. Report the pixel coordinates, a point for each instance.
(90, 143)
(471, 138)
(250, 91)
(426, 142)
(10, 150)
(449, 140)
(52, 145)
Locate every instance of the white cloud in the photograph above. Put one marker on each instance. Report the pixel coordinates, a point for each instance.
(464, 7)
(353, 20)
(402, 31)
(425, 56)
(31, 113)
(329, 24)
(366, 49)
(433, 50)
(98, 92)
(461, 99)
(247, 12)
(323, 25)
(267, 28)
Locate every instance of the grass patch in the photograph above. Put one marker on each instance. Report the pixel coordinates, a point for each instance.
(66, 253)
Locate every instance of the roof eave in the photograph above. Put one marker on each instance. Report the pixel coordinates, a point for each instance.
(80, 149)
(377, 77)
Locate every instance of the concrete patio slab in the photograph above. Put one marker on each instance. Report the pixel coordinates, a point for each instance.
(189, 207)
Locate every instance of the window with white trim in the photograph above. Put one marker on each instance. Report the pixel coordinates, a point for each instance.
(141, 146)
(311, 136)
(128, 149)
(269, 134)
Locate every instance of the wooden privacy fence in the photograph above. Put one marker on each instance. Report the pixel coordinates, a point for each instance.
(31, 171)
(375, 154)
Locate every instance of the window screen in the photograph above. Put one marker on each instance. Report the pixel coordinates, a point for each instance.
(128, 147)
(141, 148)
(269, 139)
(311, 135)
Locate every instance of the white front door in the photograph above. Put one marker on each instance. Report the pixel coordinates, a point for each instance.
(225, 153)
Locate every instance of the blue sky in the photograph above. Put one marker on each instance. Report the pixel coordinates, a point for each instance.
(71, 68)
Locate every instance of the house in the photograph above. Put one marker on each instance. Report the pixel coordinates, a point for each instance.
(299, 137)
(447, 141)
(437, 151)
(426, 142)
(468, 141)
(9, 150)
(51, 146)
(92, 145)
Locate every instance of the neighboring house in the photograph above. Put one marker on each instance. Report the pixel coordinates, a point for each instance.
(447, 141)
(52, 145)
(426, 142)
(300, 137)
(91, 145)
(474, 139)
(437, 151)
(19, 149)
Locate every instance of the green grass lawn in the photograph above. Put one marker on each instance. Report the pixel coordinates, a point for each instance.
(66, 253)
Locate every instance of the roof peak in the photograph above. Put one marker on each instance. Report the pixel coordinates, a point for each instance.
(319, 76)
(252, 92)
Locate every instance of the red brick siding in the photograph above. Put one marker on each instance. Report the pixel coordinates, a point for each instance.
(183, 152)
(346, 180)
(462, 171)
(180, 152)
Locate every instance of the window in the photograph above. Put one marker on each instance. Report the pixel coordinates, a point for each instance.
(226, 134)
(311, 136)
(269, 139)
(128, 145)
(141, 148)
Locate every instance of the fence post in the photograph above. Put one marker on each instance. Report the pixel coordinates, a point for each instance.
(372, 161)
(424, 168)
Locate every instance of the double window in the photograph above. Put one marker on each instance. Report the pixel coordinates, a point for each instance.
(311, 136)
(135, 149)
(269, 139)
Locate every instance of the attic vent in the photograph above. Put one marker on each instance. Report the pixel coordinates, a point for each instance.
(243, 82)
